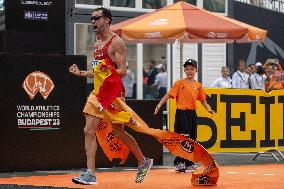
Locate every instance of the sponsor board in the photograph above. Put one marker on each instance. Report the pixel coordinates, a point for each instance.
(245, 120)
(40, 116)
(36, 3)
(36, 15)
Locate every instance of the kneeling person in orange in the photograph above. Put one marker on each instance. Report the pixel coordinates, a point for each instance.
(186, 92)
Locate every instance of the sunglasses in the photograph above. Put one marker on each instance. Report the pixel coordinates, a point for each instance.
(96, 18)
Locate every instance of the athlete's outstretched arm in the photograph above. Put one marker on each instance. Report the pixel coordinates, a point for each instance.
(73, 69)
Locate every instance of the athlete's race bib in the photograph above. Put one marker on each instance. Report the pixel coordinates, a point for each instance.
(95, 63)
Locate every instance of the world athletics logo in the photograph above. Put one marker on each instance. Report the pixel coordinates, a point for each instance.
(38, 82)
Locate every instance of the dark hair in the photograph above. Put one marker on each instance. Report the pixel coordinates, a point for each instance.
(152, 62)
(260, 70)
(106, 13)
(241, 61)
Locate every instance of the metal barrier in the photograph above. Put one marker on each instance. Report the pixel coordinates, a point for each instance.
(271, 153)
(277, 5)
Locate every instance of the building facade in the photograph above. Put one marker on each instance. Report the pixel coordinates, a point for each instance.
(80, 39)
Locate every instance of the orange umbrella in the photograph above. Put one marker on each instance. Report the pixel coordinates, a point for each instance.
(186, 23)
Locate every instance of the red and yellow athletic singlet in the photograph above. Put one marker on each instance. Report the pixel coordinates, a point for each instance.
(102, 54)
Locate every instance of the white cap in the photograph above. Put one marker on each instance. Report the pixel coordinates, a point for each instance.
(126, 63)
(258, 64)
(159, 66)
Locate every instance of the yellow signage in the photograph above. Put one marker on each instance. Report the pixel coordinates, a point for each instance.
(245, 120)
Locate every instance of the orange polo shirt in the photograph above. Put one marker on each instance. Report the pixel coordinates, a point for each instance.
(186, 94)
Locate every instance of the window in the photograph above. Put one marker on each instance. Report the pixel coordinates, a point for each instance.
(2, 15)
(123, 3)
(90, 2)
(1, 5)
(154, 4)
(131, 59)
(214, 5)
(84, 41)
(193, 2)
(152, 54)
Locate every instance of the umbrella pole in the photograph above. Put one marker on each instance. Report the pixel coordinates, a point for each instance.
(181, 58)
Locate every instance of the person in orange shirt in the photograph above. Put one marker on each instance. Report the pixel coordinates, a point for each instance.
(274, 74)
(186, 92)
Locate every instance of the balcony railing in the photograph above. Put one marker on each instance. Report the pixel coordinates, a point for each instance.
(277, 5)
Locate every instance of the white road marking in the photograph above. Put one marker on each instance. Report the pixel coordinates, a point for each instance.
(268, 174)
(232, 172)
(105, 168)
(130, 169)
